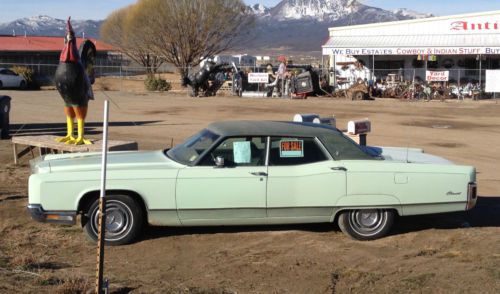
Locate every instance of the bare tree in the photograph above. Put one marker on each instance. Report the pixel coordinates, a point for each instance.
(185, 31)
(124, 29)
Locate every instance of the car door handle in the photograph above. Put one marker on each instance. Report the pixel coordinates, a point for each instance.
(339, 168)
(259, 174)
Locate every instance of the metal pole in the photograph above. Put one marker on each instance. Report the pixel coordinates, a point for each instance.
(102, 206)
(413, 85)
(373, 68)
(480, 75)
(322, 65)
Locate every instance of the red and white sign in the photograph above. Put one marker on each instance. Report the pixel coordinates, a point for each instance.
(437, 76)
(462, 25)
(258, 77)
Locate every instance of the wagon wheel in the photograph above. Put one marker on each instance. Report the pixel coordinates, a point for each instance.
(398, 91)
(358, 95)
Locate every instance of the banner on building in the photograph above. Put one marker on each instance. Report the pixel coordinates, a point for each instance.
(437, 76)
(333, 50)
(258, 77)
(493, 81)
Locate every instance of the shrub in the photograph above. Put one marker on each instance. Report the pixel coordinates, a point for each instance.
(157, 84)
(28, 74)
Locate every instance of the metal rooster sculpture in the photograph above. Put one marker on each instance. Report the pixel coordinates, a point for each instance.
(74, 76)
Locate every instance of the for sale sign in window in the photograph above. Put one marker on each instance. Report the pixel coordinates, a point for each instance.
(292, 148)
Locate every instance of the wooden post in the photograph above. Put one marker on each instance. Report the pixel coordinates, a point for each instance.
(102, 207)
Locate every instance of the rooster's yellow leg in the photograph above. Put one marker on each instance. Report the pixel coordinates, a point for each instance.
(80, 140)
(69, 136)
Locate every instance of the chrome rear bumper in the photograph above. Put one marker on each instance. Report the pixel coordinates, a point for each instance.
(60, 217)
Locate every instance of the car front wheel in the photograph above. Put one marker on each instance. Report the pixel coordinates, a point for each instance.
(123, 223)
(366, 224)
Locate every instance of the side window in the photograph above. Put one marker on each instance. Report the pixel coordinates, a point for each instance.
(238, 151)
(295, 151)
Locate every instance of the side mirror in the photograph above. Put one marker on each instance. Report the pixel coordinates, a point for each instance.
(219, 161)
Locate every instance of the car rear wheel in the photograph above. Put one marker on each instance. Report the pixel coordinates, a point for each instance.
(22, 85)
(123, 223)
(366, 224)
(1, 85)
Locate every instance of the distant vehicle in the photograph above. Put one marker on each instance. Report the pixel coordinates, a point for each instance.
(10, 79)
(251, 173)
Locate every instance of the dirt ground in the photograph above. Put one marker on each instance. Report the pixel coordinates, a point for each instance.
(450, 253)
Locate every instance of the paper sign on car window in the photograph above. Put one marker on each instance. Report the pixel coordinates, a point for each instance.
(292, 148)
(241, 152)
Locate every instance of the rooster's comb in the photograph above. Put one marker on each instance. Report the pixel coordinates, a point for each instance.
(69, 28)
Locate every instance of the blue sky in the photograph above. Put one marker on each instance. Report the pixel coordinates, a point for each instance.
(99, 9)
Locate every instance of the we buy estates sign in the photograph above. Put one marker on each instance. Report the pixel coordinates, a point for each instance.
(437, 76)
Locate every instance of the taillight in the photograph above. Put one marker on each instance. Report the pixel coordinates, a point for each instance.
(471, 196)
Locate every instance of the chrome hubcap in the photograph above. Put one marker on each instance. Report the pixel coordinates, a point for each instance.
(118, 220)
(368, 222)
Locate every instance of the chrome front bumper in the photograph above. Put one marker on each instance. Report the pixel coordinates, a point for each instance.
(60, 217)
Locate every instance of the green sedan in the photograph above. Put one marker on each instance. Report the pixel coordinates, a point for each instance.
(250, 173)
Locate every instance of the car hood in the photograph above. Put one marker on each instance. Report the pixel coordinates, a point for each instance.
(410, 155)
(92, 161)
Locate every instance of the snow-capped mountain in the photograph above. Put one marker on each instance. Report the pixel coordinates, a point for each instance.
(410, 14)
(302, 25)
(44, 25)
(291, 25)
(260, 10)
(335, 10)
(322, 10)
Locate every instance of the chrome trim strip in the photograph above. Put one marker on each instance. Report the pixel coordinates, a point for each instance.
(268, 150)
(322, 147)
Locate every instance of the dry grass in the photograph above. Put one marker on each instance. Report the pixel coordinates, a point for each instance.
(74, 285)
(133, 84)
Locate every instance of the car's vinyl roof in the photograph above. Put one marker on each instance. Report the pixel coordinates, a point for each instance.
(270, 128)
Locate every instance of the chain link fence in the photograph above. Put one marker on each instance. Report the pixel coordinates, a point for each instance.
(394, 83)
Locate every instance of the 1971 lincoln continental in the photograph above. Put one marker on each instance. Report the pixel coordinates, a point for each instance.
(251, 173)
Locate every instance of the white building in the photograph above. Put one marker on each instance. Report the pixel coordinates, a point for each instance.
(465, 45)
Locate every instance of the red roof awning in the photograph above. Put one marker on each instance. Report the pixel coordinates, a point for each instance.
(41, 44)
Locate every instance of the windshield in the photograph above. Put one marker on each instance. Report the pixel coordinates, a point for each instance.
(189, 151)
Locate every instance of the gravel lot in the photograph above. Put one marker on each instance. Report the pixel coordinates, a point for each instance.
(452, 253)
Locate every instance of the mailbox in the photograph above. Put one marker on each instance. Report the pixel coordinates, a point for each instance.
(305, 117)
(360, 128)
